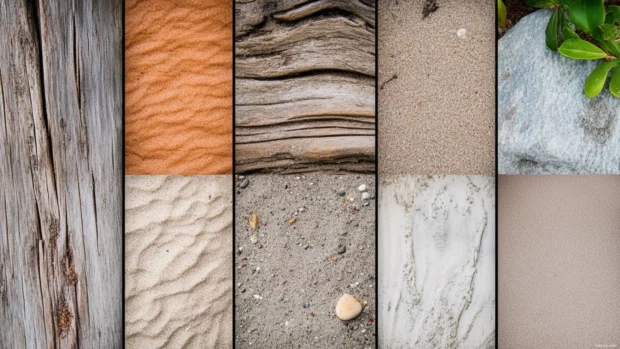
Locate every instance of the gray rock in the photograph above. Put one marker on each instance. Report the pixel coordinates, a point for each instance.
(244, 183)
(342, 249)
(545, 122)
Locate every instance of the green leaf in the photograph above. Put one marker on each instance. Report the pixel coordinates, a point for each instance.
(596, 81)
(501, 13)
(580, 49)
(609, 32)
(577, 14)
(614, 83)
(613, 17)
(567, 31)
(595, 12)
(552, 39)
(540, 3)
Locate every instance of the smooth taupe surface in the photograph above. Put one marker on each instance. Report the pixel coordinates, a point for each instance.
(437, 87)
(61, 172)
(178, 66)
(559, 262)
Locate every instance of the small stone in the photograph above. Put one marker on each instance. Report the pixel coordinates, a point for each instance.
(365, 196)
(306, 304)
(241, 177)
(362, 187)
(366, 203)
(253, 221)
(461, 33)
(341, 192)
(253, 239)
(354, 285)
(244, 183)
(342, 249)
(258, 297)
(292, 221)
(348, 307)
(302, 209)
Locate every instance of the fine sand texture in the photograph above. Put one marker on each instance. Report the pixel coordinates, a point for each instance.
(178, 71)
(437, 87)
(178, 274)
(305, 86)
(559, 261)
(437, 262)
(290, 274)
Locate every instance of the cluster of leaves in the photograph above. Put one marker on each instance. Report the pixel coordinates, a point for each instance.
(599, 27)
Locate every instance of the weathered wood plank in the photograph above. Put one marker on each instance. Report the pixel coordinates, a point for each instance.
(60, 174)
(305, 85)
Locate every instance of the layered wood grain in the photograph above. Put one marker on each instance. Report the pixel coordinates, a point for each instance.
(305, 85)
(60, 174)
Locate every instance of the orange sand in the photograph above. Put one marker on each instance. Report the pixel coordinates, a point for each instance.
(178, 73)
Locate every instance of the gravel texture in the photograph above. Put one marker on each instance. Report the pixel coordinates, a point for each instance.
(289, 272)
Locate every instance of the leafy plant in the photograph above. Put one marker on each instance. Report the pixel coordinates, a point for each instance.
(502, 14)
(586, 30)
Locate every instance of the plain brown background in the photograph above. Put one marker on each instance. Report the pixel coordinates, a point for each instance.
(559, 261)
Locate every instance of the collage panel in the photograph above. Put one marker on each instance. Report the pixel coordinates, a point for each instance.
(437, 262)
(61, 175)
(436, 87)
(549, 119)
(178, 87)
(559, 261)
(436, 227)
(304, 86)
(178, 275)
(305, 261)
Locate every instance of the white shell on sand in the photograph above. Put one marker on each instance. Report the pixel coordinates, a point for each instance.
(348, 307)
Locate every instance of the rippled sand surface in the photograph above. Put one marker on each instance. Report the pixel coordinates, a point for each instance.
(178, 274)
(178, 68)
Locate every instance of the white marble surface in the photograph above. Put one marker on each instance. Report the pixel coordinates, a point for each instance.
(437, 262)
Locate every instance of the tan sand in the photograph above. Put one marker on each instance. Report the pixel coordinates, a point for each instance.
(178, 70)
(438, 115)
(559, 262)
(178, 275)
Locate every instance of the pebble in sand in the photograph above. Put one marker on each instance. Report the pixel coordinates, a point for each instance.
(348, 307)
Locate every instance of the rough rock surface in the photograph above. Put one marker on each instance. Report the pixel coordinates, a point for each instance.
(437, 262)
(545, 123)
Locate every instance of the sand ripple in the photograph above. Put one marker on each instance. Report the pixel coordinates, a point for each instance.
(178, 87)
(178, 262)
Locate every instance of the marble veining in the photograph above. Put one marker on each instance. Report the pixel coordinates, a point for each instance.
(437, 262)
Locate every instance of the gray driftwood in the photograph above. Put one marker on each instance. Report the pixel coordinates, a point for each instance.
(305, 85)
(60, 174)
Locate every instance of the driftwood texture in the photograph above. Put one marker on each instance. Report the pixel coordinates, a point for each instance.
(61, 174)
(305, 85)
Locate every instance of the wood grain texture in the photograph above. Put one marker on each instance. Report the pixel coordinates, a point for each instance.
(60, 174)
(305, 85)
